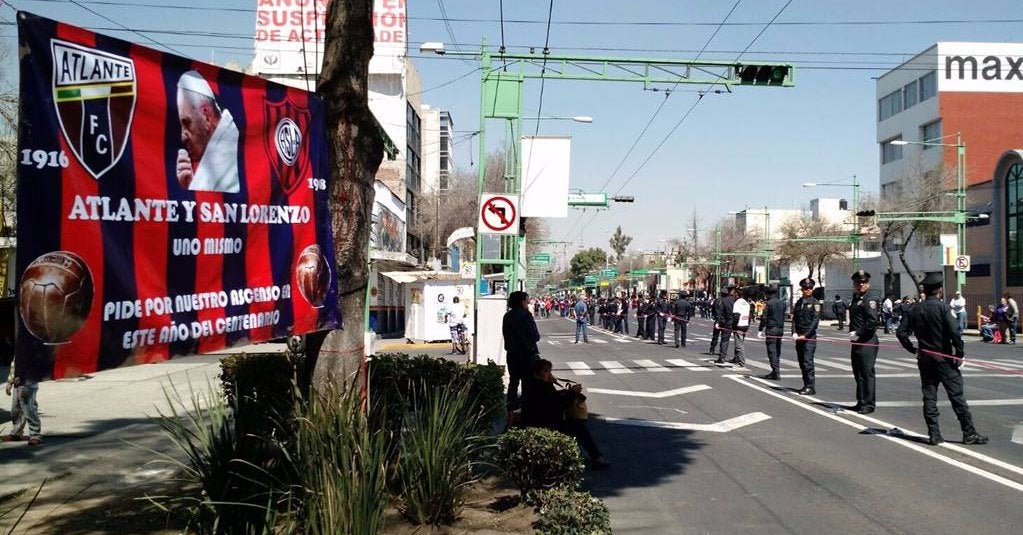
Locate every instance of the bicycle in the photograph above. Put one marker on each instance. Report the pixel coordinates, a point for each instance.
(461, 341)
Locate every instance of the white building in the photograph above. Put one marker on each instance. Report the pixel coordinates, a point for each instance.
(438, 153)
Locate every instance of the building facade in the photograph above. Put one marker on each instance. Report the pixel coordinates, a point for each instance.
(975, 91)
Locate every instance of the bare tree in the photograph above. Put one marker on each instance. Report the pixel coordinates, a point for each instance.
(8, 150)
(812, 254)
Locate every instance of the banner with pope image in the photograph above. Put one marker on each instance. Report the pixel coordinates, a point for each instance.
(165, 206)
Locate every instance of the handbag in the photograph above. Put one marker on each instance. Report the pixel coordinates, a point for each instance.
(577, 410)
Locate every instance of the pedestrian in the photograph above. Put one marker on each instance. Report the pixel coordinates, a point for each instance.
(651, 319)
(839, 307)
(939, 354)
(662, 309)
(725, 311)
(772, 328)
(582, 319)
(863, 323)
(740, 325)
(887, 311)
(520, 339)
(715, 309)
(24, 409)
(640, 318)
(1013, 317)
(681, 313)
(958, 307)
(623, 317)
(805, 319)
(1001, 318)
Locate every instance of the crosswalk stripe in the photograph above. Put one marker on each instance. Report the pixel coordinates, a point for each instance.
(911, 363)
(900, 364)
(833, 364)
(553, 342)
(599, 341)
(614, 366)
(651, 365)
(702, 339)
(580, 368)
(1009, 363)
(682, 363)
(755, 364)
(623, 341)
(881, 366)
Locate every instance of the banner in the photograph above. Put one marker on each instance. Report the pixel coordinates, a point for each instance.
(165, 206)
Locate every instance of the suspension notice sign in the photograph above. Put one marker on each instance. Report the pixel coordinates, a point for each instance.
(499, 214)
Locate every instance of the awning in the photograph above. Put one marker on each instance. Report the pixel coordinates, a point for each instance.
(405, 277)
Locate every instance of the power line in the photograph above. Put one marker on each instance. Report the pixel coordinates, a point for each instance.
(112, 21)
(543, 69)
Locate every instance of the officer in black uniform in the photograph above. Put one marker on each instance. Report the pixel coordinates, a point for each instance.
(724, 322)
(805, 318)
(714, 309)
(772, 327)
(662, 308)
(839, 308)
(864, 315)
(651, 319)
(625, 314)
(681, 312)
(640, 317)
(938, 341)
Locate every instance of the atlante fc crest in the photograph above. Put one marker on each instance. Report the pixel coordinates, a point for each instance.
(94, 94)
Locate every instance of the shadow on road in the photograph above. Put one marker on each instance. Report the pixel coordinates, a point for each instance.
(639, 456)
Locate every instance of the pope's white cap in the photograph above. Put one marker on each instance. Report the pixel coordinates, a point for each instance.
(194, 82)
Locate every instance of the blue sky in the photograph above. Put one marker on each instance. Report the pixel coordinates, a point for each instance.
(753, 147)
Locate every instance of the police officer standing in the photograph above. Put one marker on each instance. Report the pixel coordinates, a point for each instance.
(839, 308)
(624, 318)
(724, 322)
(938, 339)
(640, 318)
(805, 318)
(681, 312)
(864, 315)
(715, 308)
(662, 309)
(651, 319)
(772, 326)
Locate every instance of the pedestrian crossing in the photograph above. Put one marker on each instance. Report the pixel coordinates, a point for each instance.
(593, 340)
(821, 365)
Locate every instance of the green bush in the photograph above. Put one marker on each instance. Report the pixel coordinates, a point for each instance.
(439, 451)
(393, 378)
(261, 388)
(569, 512)
(537, 459)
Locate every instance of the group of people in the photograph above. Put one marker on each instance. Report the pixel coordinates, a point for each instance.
(1001, 322)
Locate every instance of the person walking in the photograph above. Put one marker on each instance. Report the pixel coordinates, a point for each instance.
(725, 320)
(582, 319)
(863, 322)
(772, 328)
(805, 319)
(958, 306)
(939, 355)
(740, 325)
(1013, 314)
(715, 315)
(681, 313)
(887, 311)
(623, 318)
(520, 338)
(839, 308)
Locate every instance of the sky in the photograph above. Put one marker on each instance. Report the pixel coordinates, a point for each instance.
(751, 148)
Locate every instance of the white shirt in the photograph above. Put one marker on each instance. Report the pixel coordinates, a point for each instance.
(957, 304)
(218, 168)
(741, 307)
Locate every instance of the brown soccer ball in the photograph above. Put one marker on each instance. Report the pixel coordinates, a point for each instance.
(55, 296)
(313, 275)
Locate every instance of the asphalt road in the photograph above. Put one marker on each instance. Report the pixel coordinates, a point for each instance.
(697, 448)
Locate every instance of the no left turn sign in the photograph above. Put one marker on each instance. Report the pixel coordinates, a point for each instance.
(499, 214)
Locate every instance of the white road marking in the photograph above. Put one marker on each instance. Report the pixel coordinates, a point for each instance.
(925, 450)
(833, 364)
(702, 339)
(553, 342)
(599, 341)
(917, 403)
(651, 365)
(880, 366)
(900, 364)
(580, 368)
(614, 366)
(1009, 363)
(682, 363)
(723, 426)
(658, 395)
(756, 364)
(623, 340)
(1017, 434)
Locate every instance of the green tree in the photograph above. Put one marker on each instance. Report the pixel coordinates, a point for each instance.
(619, 242)
(585, 261)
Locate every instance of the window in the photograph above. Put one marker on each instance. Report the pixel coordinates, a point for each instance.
(928, 86)
(889, 152)
(910, 95)
(1014, 222)
(889, 105)
(931, 132)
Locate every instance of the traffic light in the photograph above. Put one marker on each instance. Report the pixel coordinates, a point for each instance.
(763, 74)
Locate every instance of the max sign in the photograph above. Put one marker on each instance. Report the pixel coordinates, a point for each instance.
(980, 67)
(165, 207)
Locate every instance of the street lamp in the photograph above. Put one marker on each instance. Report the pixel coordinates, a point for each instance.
(960, 194)
(855, 208)
(577, 118)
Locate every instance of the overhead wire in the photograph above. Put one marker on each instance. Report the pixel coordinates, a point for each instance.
(543, 70)
(123, 27)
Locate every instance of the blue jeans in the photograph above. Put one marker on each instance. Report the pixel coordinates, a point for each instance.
(581, 327)
(961, 316)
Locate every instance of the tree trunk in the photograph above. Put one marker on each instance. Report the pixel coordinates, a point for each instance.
(356, 149)
(902, 258)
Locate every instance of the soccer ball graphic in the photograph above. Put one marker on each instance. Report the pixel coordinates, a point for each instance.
(55, 296)
(313, 275)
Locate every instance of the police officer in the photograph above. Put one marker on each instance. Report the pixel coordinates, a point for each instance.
(640, 318)
(681, 313)
(715, 307)
(839, 308)
(651, 319)
(938, 341)
(772, 327)
(805, 318)
(864, 315)
(662, 308)
(724, 322)
(624, 318)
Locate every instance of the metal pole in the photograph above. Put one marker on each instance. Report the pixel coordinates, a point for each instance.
(960, 206)
(767, 245)
(856, 222)
(485, 69)
(717, 261)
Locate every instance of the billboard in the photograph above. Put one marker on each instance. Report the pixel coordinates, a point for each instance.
(980, 67)
(545, 173)
(165, 206)
(290, 36)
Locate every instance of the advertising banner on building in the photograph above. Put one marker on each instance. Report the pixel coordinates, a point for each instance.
(546, 164)
(980, 67)
(165, 206)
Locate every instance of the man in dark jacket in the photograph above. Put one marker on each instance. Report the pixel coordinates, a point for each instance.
(772, 327)
(864, 317)
(681, 312)
(724, 322)
(520, 338)
(839, 308)
(662, 308)
(805, 319)
(939, 354)
(651, 319)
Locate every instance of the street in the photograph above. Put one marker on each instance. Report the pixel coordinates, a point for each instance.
(697, 448)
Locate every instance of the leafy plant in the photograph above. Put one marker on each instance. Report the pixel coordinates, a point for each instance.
(537, 459)
(439, 450)
(569, 512)
(261, 389)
